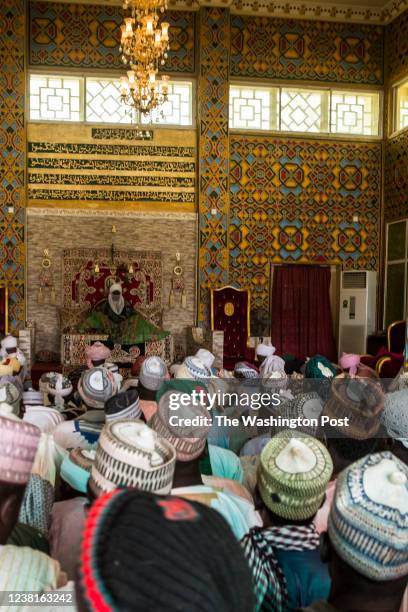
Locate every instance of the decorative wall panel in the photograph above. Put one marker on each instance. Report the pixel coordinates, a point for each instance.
(396, 178)
(396, 49)
(75, 167)
(12, 139)
(293, 200)
(213, 154)
(58, 229)
(88, 36)
(306, 50)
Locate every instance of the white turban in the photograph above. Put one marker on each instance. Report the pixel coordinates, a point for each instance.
(271, 363)
(206, 357)
(116, 305)
(115, 287)
(265, 350)
(9, 342)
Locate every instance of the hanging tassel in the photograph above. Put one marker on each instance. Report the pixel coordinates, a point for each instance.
(40, 296)
(183, 300)
(52, 296)
(171, 299)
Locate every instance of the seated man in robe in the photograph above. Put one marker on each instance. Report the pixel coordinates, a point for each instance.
(117, 318)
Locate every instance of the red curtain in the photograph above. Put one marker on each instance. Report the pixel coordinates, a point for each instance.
(301, 314)
(2, 310)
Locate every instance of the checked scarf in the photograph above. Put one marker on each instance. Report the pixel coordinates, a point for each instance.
(268, 578)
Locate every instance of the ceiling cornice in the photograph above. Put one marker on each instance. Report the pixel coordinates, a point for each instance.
(294, 9)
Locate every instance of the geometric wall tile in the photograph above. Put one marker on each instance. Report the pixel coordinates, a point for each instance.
(12, 143)
(293, 200)
(306, 50)
(88, 36)
(213, 190)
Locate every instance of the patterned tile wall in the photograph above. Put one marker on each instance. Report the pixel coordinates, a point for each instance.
(396, 178)
(293, 200)
(396, 149)
(396, 48)
(213, 153)
(12, 139)
(87, 36)
(306, 50)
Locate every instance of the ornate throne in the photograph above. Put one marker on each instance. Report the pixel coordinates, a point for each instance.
(230, 312)
(86, 275)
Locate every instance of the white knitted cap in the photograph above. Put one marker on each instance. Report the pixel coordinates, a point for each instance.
(206, 357)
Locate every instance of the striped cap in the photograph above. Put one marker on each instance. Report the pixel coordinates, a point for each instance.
(152, 373)
(96, 386)
(195, 369)
(361, 400)
(33, 398)
(368, 521)
(189, 441)
(130, 454)
(293, 473)
(18, 446)
(124, 405)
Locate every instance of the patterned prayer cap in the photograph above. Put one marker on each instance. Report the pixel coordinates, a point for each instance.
(361, 400)
(293, 473)
(395, 415)
(96, 386)
(18, 446)
(130, 454)
(124, 405)
(152, 373)
(368, 521)
(189, 441)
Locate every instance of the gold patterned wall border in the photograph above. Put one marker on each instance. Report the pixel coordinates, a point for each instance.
(88, 36)
(320, 11)
(74, 168)
(12, 157)
(267, 47)
(213, 93)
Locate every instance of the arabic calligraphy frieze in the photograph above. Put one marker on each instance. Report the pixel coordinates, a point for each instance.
(114, 179)
(70, 163)
(109, 149)
(113, 196)
(121, 134)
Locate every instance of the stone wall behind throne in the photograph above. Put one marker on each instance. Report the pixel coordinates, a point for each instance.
(62, 229)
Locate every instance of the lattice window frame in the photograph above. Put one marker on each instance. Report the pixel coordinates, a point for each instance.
(323, 124)
(181, 100)
(262, 107)
(299, 96)
(352, 106)
(400, 106)
(39, 94)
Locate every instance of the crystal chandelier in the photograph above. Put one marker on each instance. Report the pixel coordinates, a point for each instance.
(144, 47)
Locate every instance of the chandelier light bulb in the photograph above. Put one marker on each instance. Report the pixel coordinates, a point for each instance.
(128, 26)
(165, 30)
(149, 25)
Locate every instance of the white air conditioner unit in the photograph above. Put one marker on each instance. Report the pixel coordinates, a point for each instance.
(358, 296)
